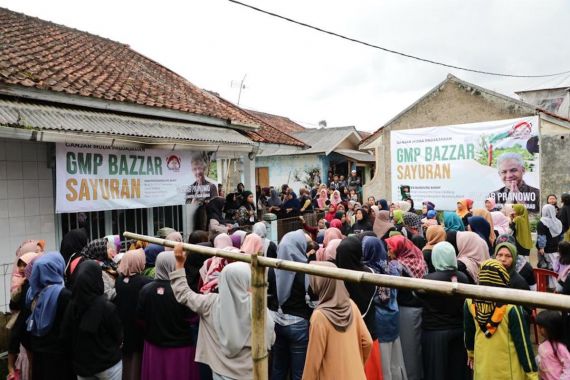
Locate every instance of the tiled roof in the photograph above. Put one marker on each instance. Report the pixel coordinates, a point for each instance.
(39, 54)
(282, 123)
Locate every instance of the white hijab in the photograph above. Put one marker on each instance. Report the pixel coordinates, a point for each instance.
(232, 312)
(550, 220)
(260, 230)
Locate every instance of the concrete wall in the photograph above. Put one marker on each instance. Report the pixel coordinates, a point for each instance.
(452, 103)
(27, 209)
(555, 175)
(282, 169)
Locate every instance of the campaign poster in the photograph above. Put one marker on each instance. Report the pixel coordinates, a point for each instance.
(498, 159)
(95, 177)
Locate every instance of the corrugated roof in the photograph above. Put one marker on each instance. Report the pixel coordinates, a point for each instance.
(323, 140)
(356, 155)
(43, 117)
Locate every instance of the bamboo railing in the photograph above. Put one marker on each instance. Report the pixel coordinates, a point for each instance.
(259, 263)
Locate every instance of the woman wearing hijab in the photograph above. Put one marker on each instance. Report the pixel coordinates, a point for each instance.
(414, 231)
(335, 198)
(102, 251)
(549, 233)
(501, 223)
(434, 235)
(506, 254)
(472, 251)
(521, 264)
(383, 205)
(521, 230)
(487, 216)
(330, 234)
(442, 320)
(252, 244)
(151, 252)
(331, 213)
(490, 205)
(246, 212)
(330, 250)
(291, 309)
(387, 324)
(362, 223)
(27, 246)
(323, 199)
(382, 225)
(409, 262)
(169, 344)
(404, 206)
(292, 206)
(212, 267)
(47, 299)
(496, 335)
(463, 211)
(398, 217)
(339, 342)
(128, 286)
(224, 336)
(19, 346)
(452, 222)
(274, 202)
(92, 326)
(269, 247)
(479, 225)
(216, 221)
(73, 243)
(305, 201)
(349, 256)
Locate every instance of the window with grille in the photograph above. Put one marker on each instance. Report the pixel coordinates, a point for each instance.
(92, 222)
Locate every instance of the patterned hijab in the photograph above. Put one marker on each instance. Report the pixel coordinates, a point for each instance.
(408, 255)
(489, 314)
(97, 250)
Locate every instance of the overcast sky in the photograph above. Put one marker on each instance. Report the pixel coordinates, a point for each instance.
(309, 76)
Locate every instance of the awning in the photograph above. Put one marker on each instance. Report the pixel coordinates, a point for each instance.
(50, 118)
(356, 155)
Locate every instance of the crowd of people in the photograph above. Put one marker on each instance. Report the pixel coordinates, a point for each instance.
(91, 311)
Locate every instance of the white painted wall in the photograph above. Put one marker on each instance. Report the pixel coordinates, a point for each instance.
(282, 168)
(26, 197)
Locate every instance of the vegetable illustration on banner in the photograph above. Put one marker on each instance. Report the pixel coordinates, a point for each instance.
(498, 159)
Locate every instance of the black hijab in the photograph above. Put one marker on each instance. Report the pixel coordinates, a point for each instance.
(245, 203)
(349, 256)
(214, 209)
(73, 242)
(87, 297)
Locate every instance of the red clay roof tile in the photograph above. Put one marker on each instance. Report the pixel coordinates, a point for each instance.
(41, 54)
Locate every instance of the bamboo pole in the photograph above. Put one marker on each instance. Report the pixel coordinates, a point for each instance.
(512, 296)
(258, 313)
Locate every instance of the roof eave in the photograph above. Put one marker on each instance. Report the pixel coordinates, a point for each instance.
(110, 105)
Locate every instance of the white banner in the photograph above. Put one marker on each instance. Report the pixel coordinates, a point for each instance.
(496, 159)
(94, 177)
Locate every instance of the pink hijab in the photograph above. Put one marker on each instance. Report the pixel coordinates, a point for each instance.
(330, 250)
(472, 252)
(335, 197)
(322, 199)
(252, 244)
(26, 247)
(330, 234)
(212, 267)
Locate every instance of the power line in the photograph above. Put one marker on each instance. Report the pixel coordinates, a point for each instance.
(393, 51)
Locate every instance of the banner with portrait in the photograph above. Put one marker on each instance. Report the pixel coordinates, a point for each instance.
(497, 159)
(96, 177)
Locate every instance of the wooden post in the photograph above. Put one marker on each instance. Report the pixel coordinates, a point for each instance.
(258, 313)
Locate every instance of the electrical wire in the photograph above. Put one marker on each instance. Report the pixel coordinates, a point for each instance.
(393, 51)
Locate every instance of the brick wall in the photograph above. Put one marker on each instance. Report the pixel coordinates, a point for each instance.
(26, 196)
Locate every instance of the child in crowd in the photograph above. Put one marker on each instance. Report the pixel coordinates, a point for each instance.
(553, 356)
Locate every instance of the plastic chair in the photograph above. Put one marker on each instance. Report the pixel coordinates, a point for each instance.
(542, 277)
